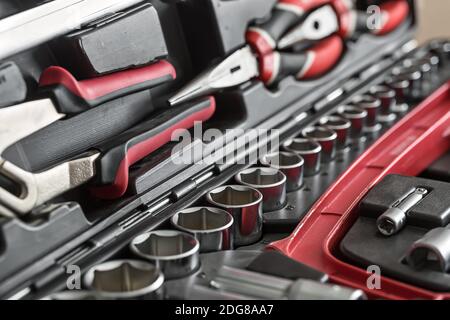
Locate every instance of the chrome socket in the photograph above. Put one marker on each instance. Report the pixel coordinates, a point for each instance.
(290, 164)
(245, 205)
(414, 77)
(387, 98)
(327, 139)
(212, 227)
(357, 118)
(401, 88)
(125, 279)
(339, 125)
(270, 182)
(394, 218)
(309, 150)
(442, 49)
(175, 253)
(373, 107)
(433, 247)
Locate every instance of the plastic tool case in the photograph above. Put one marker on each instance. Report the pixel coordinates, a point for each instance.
(78, 229)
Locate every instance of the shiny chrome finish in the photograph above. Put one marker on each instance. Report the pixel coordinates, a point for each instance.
(357, 118)
(401, 88)
(240, 67)
(245, 205)
(74, 295)
(270, 182)
(309, 150)
(258, 285)
(212, 227)
(339, 125)
(327, 139)
(125, 279)
(373, 107)
(290, 164)
(434, 247)
(386, 95)
(175, 253)
(414, 76)
(394, 219)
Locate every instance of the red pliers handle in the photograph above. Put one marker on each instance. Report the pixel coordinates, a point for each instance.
(263, 38)
(306, 65)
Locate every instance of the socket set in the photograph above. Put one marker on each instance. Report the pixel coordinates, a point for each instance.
(350, 155)
(214, 248)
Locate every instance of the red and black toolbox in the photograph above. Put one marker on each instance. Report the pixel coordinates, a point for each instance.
(128, 64)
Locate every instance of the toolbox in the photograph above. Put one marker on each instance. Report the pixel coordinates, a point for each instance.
(291, 197)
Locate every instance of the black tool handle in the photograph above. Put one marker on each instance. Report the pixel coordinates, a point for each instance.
(123, 151)
(72, 96)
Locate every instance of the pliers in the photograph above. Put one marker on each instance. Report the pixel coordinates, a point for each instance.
(259, 59)
(318, 28)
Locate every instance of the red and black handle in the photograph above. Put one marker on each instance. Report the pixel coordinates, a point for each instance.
(263, 38)
(123, 151)
(392, 14)
(71, 96)
(306, 65)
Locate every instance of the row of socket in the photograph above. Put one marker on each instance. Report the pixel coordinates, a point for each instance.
(235, 216)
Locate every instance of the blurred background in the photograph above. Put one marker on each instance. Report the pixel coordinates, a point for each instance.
(434, 19)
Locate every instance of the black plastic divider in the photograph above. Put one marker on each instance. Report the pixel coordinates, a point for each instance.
(22, 242)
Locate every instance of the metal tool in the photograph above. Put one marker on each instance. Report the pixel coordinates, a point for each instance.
(245, 205)
(442, 49)
(29, 117)
(433, 248)
(270, 182)
(309, 150)
(74, 295)
(212, 227)
(323, 19)
(339, 125)
(373, 106)
(290, 164)
(35, 26)
(258, 59)
(414, 76)
(357, 117)
(13, 88)
(394, 219)
(401, 88)
(387, 96)
(125, 280)
(262, 286)
(175, 253)
(327, 139)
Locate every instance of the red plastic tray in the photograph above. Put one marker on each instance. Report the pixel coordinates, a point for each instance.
(407, 149)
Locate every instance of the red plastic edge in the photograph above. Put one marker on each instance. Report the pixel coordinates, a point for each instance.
(143, 149)
(304, 5)
(92, 89)
(407, 149)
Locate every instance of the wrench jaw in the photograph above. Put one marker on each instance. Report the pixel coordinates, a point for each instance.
(24, 202)
(38, 188)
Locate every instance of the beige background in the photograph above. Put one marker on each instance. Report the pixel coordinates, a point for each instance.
(434, 19)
